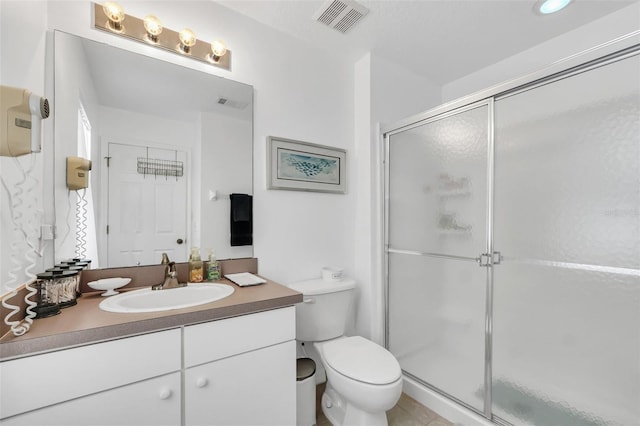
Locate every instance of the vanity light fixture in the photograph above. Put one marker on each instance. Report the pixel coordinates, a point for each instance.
(546, 7)
(110, 17)
(115, 15)
(154, 28)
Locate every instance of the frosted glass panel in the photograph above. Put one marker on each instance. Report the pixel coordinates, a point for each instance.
(436, 323)
(566, 346)
(567, 221)
(437, 185)
(567, 169)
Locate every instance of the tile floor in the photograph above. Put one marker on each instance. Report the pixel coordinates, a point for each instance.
(407, 412)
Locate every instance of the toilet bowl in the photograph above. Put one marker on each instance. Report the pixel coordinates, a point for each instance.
(364, 380)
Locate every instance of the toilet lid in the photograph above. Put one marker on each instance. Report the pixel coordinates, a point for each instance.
(362, 360)
(319, 286)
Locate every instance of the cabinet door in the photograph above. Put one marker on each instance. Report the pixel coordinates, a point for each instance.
(44, 380)
(150, 402)
(253, 388)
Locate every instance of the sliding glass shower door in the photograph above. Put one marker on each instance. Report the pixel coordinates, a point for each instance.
(437, 214)
(513, 248)
(566, 336)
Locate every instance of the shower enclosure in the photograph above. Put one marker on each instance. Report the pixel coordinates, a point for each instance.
(512, 246)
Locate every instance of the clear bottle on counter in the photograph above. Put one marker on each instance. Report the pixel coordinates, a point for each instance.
(213, 267)
(196, 267)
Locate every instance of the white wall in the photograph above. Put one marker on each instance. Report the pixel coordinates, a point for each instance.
(605, 29)
(75, 87)
(23, 66)
(398, 92)
(384, 92)
(225, 174)
(299, 94)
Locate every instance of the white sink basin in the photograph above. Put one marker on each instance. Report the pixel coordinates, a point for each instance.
(147, 300)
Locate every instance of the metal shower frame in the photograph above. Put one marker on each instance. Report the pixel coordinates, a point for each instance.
(613, 51)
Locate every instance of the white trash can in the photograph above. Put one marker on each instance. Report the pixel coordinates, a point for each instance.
(305, 392)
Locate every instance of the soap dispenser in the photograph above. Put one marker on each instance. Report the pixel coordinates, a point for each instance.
(213, 267)
(196, 270)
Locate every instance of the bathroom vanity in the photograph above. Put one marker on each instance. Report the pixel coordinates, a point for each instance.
(236, 367)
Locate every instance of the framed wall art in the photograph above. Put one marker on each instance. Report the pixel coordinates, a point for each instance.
(304, 166)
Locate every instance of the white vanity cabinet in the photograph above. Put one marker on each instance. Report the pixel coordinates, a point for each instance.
(241, 371)
(122, 382)
(234, 371)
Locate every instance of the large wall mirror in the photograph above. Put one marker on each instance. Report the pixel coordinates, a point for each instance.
(167, 145)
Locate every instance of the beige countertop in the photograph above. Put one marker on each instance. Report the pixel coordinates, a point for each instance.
(86, 323)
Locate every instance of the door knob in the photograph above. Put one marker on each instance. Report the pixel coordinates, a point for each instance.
(179, 241)
(202, 382)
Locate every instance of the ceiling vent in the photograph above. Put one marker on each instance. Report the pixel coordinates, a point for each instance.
(340, 14)
(231, 103)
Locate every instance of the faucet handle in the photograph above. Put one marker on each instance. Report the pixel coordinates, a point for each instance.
(165, 259)
(171, 270)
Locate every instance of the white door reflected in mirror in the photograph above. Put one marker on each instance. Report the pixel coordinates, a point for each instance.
(146, 208)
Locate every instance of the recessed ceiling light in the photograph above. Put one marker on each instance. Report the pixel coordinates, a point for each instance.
(546, 7)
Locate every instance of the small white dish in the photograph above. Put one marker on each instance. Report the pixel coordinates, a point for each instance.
(244, 279)
(109, 284)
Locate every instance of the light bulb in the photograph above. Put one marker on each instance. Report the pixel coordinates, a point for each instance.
(218, 50)
(551, 6)
(153, 26)
(187, 40)
(115, 14)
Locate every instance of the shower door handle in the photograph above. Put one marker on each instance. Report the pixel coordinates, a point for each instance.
(489, 259)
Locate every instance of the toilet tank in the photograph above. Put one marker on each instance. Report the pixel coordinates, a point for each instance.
(325, 307)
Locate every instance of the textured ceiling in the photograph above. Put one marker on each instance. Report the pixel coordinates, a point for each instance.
(442, 40)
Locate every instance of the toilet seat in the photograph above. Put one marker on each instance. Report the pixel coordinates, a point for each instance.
(362, 360)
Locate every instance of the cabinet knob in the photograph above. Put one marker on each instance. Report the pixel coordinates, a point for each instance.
(165, 393)
(202, 382)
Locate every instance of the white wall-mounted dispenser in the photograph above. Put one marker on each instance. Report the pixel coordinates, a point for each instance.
(21, 115)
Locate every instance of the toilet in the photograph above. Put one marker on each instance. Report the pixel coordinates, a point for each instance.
(364, 380)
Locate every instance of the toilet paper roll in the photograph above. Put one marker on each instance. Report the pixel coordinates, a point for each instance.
(330, 273)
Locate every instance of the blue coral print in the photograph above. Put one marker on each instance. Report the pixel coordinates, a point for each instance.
(308, 168)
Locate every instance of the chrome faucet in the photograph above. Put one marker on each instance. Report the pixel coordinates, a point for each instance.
(170, 278)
